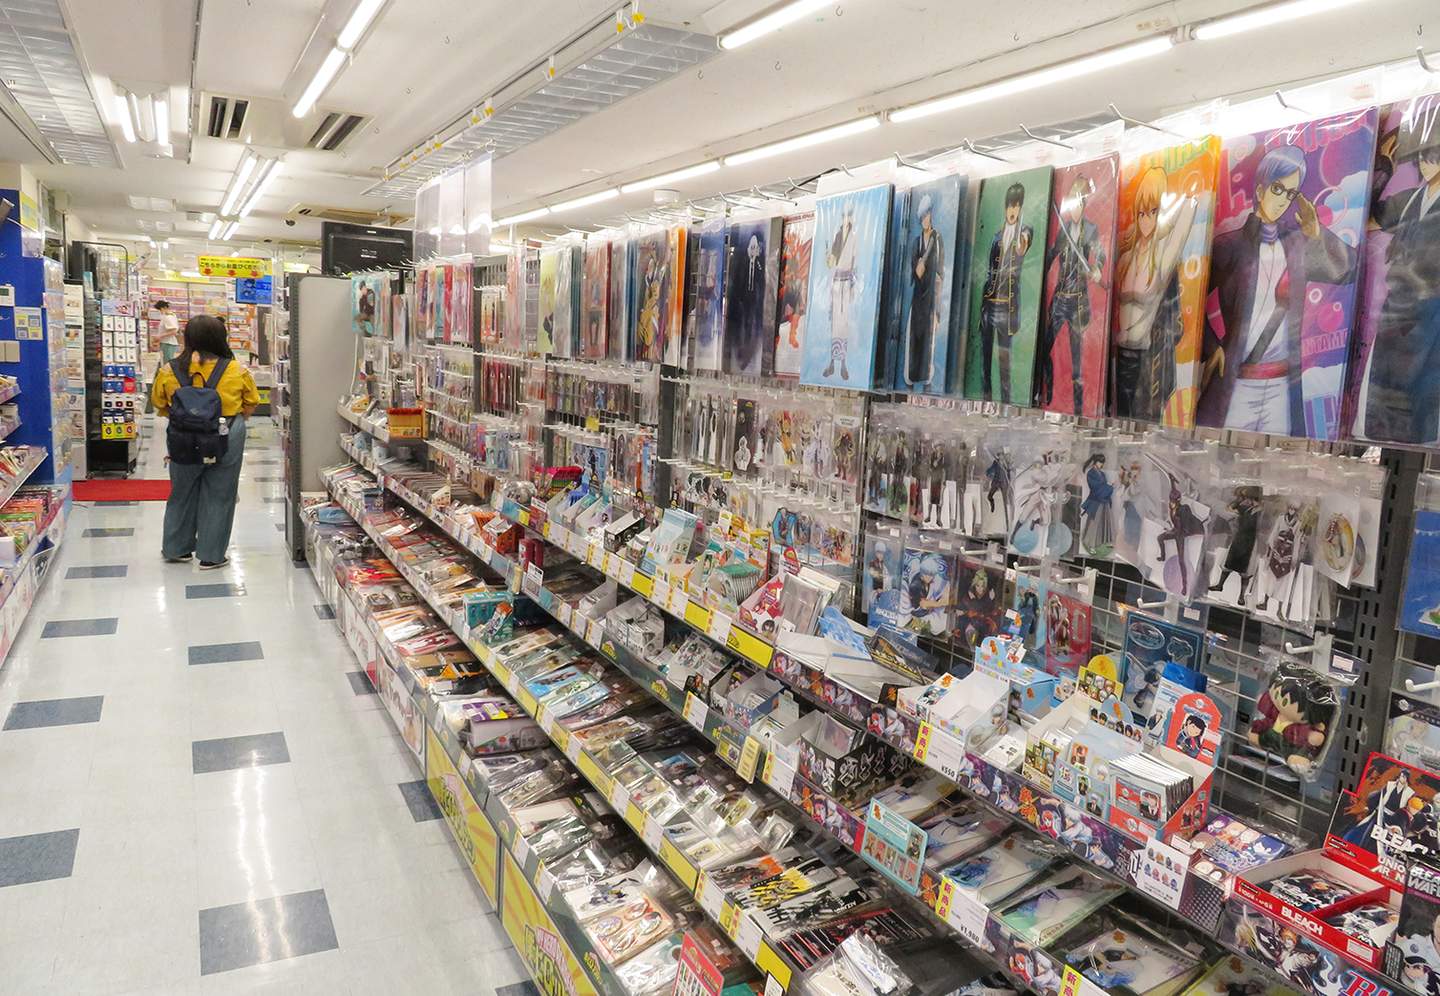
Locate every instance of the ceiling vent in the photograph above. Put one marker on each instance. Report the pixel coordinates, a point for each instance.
(346, 215)
(225, 117)
(334, 129)
(268, 123)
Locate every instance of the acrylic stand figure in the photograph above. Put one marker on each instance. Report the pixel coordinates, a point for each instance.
(1000, 298)
(1183, 524)
(1098, 532)
(1241, 554)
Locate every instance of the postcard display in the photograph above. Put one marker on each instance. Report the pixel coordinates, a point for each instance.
(991, 538)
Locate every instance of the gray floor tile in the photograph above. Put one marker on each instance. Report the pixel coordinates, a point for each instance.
(324, 612)
(421, 802)
(98, 571)
(525, 988)
(37, 857)
(272, 501)
(108, 531)
(79, 627)
(229, 753)
(265, 930)
(226, 653)
(54, 712)
(272, 462)
(360, 681)
(213, 590)
(280, 526)
(114, 504)
(267, 480)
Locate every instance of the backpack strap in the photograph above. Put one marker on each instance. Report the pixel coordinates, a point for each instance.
(214, 379)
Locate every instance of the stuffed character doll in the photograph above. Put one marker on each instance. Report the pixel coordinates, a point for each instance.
(1292, 718)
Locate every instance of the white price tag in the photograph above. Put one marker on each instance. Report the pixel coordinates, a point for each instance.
(720, 629)
(661, 593)
(627, 573)
(545, 885)
(521, 850)
(567, 613)
(749, 936)
(573, 748)
(944, 753)
(696, 712)
(968, 916)
(654, 834)
(546, 721)
(620, 799)
(773, 986)
(779, 775)
(1163, 884)
(710, 895)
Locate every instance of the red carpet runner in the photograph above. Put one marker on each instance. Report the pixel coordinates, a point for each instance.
(122, 490)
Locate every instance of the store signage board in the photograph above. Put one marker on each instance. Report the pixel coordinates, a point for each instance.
(233, 266)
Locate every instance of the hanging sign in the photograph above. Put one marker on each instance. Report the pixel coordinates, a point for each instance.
(233, 266)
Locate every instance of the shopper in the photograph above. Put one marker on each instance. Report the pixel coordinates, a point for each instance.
(201, 508)
(169, 332)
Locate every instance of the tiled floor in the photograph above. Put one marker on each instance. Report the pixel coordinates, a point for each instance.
(252, 825)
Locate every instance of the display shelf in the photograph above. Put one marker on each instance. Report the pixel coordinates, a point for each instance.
(21, 580)
(345, 412)
(9, 426)
(12, 391)
(33, 459)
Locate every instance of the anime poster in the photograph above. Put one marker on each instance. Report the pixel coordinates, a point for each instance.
(365, 303)
(1397, 361)
(925, 591)
(1067, 632)
(709, 266)
(595, 293)
(1388, 819)
(798, 237)
(1420, 610)
(622, 266)
(979, 601)
(564, 335)
(677, 244)
(880, 581)
(752, 291)
(549, 264)
(514, 298)
(846, 266)
(1006, 273)
(1284, 265)
(656, 295)
(1412, 956)
(1079, 274)
(1167, 207)
(919, 329)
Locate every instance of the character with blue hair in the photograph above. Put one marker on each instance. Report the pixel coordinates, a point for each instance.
(926, 284)
(926, 593)
(1259, 272)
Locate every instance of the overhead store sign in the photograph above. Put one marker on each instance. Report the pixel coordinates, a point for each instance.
(233, 266)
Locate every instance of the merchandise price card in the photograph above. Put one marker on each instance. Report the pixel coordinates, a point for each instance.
(612, 565)
(730, 919)
(567, 613)
(719, 629)
(779, 775)
(573, 748)
(653, 834)
(627, 574)
(710, 896)
(593, 556)
(1161, 872)
(660, 593)
(968, 916)
(620, 798)
(521, 849)
(696, 712)
(678, 601)
(749, 758)
(545, 885)
(749, 937)
(944, 753)
(592, 632)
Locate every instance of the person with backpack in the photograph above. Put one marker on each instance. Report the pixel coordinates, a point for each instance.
(207, 409)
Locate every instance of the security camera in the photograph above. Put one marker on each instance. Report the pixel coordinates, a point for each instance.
(290, 222)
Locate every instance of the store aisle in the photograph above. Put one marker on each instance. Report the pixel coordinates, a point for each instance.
(199, 793)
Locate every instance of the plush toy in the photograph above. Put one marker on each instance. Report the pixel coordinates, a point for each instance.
(1293, 717)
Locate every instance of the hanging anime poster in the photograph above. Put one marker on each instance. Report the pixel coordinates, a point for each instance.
(1284, 266)
(563, 334)
(365, 302)
(677, 246)
(926, 591)
(979, 601)
(709, 269)
(423, 276)
(1420, 609)
(549, 264)
(1161, 267)
(919, 330)
(851, 231)
(797, 239)
(514, 298)
(1398, 357)
(655, 292)
(752, 291)
(1005, 285)
(622, 266)
(596, 296)
(1079, 274)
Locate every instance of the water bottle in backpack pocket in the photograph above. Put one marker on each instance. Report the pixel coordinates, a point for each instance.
(198, 432)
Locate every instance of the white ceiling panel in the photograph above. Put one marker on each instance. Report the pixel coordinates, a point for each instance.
(248, 47)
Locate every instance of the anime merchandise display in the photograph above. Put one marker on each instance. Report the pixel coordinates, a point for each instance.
(797, 245)
(752, 287)
(1236, 846)
(979, 598)
(1237, 527)
(1390, 818)
(1234, 977)
(659, 289)
(1057, 902)
(1420, 606)
(1040, 526)
(1295, 716)
(1161, 268)
(927, 590)
(1276, 345)
(880, 578)
(1163, 522)
(1067, 628)
(1413, 953)
(1074, 343)
(549, 268)
(623, 252)
(931, 245)
(1133, 960)
(846, 266)
(1395, 396)
(1005, 285)
(595, 298)
(1097, 508)
(1285, 567)
(708, 266)
(1000, 869)
(1149, 642)
(365, 296)
(565, 334)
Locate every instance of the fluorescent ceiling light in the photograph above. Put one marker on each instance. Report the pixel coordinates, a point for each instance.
(581, 202)
(675, 177)
(229, 231)
(322, 79)
(215, 229)
(768, 23)
(525, 216)
(1044, 77)
(162, 121)
(803, 141)
(123, 107)
(1265, 16)
(359, 21)
(262, 184)
(237, 183)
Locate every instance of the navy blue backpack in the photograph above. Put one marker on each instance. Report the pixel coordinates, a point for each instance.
(198, 432)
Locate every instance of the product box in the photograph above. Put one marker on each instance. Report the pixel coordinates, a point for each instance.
(1309, 900)
(503, 535)
(972, 709)
(838, 759)
(752, 699)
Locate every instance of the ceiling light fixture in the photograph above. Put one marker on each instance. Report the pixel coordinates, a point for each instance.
(359, 21)
(229, 231)
(1265, 17)
(262, 184)
(804, 141)
(215, 229)
(123, 107)
(770, 22)
(523, 216)
(675, 177)
(237, 182)
(586, 201)
(1044, 77)
(162, 121)
(323, 77)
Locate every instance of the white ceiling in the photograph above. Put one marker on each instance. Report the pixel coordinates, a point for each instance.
(426, 62)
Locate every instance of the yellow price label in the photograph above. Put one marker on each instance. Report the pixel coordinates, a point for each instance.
(749, 757)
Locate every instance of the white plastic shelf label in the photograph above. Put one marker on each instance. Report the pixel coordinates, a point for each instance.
(620, 799)
(719, 628)
(710, 896)
(654, 835)
(696, 712)
(779, 775)
(749, 937)
(968, 916)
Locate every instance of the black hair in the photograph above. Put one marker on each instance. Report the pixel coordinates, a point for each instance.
(1015, 195)
(205, 335)
(1196, 720)
(1095, 458)
(1294, 689)
(162, 304)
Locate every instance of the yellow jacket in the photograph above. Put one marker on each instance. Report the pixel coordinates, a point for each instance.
(236, 388)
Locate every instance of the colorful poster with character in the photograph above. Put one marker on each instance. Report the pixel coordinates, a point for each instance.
(925, 591)
(1398, 358)
(596, 297)
(1284, 267)
(710, 292)
(851, 232)
(1006, 274)
(659, 295)
(1167, 207)
(752, 289)
(1079, 275)
(979, 601)
(1420, 610)
(798, 239)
